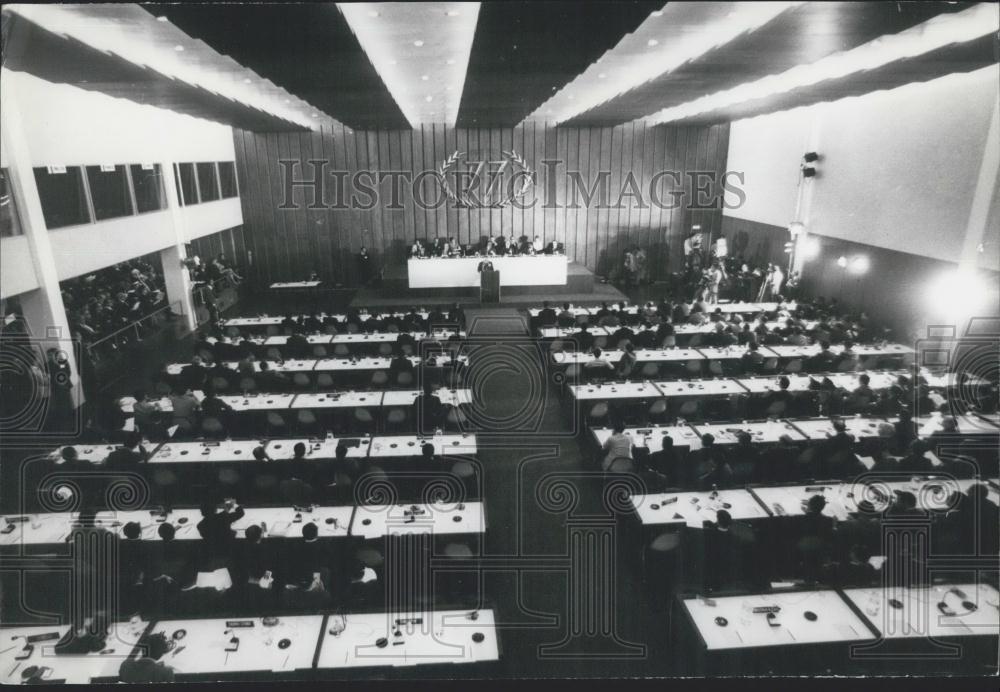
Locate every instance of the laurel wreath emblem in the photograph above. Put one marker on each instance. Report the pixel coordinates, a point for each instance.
(466, 201)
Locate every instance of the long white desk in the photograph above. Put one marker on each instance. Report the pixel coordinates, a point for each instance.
(323, 448)
(693, 509)
(277, 285)
(754, 307)
(700, 388)
(73, 669)
(333, 364)
(731, 623)
(564, 332)
(54, 528)
(615, 391)
(205, 452)
(763, 431)
(651, 438)
(412, 445)
(208, 646)
(906, 612)
(375, 521)
(822, 428)
(408, 639)
(449, 272)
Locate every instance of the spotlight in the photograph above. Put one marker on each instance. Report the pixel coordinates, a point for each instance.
(811, 157)
(842, 261)
(795, 228)
(860, 264)
(809, 248)
(961, 293)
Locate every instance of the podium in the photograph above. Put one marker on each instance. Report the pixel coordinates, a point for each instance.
(489, 286)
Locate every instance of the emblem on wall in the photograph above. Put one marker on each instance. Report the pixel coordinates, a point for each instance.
(486, 183)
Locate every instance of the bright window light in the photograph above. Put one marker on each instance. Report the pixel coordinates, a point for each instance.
(945, 29)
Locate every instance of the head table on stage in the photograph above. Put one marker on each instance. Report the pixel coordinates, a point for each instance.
(452, 272)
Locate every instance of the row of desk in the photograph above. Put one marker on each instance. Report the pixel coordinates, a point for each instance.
(361, 521)
(319, 400)
(727, 308)
(692, 509)
(852, 615)
(715, 352)
(257, 321)
(607, 391)
(317, 449)
(688, 435)
(347, 339)
(281, 644)
(294, 365)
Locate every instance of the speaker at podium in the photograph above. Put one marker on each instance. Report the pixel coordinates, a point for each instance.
(489, 283)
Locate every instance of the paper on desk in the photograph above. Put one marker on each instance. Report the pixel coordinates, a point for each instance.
(279, 528)
(218, 580)
(867, 462)
(933, 458)
(129, 425)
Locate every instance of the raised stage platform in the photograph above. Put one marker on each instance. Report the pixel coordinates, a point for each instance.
(395, 281)
(581, 287)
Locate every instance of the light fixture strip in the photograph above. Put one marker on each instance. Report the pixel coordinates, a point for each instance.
(137, 36)
(420, 51)
(935, 33)
(655, 49)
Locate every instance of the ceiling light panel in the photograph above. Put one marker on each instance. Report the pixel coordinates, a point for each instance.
(139, 37)
(420, 50)
(943, 30)
(667, 39)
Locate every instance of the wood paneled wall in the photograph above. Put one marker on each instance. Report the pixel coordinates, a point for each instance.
(287, 244)
(230, 242)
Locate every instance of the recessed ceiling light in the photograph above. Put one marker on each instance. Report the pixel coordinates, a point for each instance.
(453, 13)
(246, 81)
(652, 42)
(658, 13)
(373, 13)
(424, 77)
(288, 100)
(392, 62)
(162, 19)
(428, 99)
(570, 97)
(447, 88)
(601, 76)
(315, 115)
(450, 62)
(418, 43)
(179, 49)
